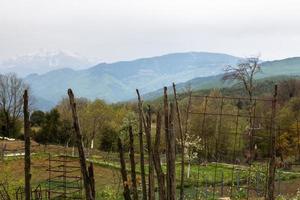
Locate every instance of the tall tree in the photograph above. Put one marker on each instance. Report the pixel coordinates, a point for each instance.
(244, 73)
(11, 101)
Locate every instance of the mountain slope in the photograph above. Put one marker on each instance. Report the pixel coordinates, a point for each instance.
(117, 81)
(278, 69)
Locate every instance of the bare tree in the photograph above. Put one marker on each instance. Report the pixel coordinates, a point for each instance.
(11, 101)
(244, 73)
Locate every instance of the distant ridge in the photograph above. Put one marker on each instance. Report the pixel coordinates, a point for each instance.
(277, 69)
(117, 81)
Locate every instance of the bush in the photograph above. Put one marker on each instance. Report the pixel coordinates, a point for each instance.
(109, 194)
(37, 118)
(108, 139)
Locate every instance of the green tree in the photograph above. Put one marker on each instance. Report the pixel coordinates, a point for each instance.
(288, 120)
(37, 118)
(52, 130)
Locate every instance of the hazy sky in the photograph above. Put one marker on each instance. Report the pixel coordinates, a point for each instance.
(125, 29)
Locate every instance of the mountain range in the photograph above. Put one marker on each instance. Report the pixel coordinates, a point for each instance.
(115, 82)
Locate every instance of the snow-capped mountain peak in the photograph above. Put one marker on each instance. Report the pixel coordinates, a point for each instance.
(43, 61)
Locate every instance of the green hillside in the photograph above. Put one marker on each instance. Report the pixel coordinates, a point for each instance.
(271, 70)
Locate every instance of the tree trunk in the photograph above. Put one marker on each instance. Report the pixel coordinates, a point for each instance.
(27, 147)
(7, 122)
(181, 143)
(126, 192)
(157, 162)
(142, 159)
(132, 163)
(79, 141)
(151, 185)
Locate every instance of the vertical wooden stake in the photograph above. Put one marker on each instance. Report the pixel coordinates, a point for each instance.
(182, 138)
(142, 159)
(151, 185)
(132, 163)
(272, 162)
(79, 142)
(166, 120)
(27, 147)
(126, 192)
(172, 154)
(92, 179)
(156, 158)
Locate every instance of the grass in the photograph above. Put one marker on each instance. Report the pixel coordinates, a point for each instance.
(108, 181)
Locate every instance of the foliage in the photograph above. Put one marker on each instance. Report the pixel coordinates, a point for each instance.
(288, 121)
(109, 194)
(37, 118)
(53, 130)
(108, 139)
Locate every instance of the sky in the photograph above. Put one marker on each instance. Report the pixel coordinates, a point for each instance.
(113, 30)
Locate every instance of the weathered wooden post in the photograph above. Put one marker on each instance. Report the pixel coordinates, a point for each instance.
(157, 162)
(182, 138)
(151, 185)
(172, 154)
(166, 120)
(27, 159)
(126, 192)
(272, 162)
(132, 164)
(92, 179)
(170, 147)
(141, 142)
(79, 142)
